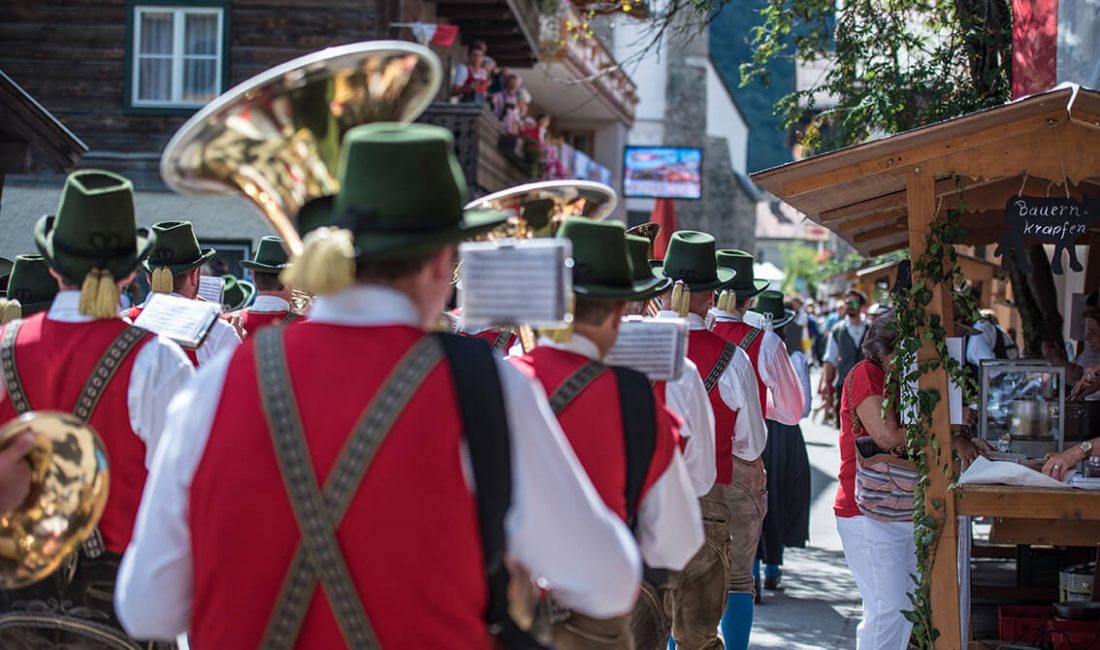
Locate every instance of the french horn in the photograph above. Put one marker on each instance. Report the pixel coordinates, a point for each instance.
(276, 138)
(68, 492)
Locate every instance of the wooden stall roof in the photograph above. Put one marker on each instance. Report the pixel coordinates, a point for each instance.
(1037, 145)
(31, 136)
(963, 258)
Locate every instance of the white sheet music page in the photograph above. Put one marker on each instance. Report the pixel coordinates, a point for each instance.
(184, 321)
(653, 346)
(211, 288)
(516, 282)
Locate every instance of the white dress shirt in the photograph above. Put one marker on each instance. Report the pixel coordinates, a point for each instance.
(221, 337)
(670, 528)
(855, 330)
(802, 369)
(785, 402)
(557, 526)
(160, 370)
(978, 347)
(739, 392)
(268, 304)
(687, 397)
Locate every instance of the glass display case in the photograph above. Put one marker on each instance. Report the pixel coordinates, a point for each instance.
(1022, 408)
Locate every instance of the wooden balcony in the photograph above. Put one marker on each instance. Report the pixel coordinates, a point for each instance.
(487, 166)
(509, 27)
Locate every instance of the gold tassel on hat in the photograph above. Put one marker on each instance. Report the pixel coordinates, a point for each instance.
(326, 264)
(10, 310)
(727, 300)
(565, 333)
(681, 299)
(99, 295)
(162, 280)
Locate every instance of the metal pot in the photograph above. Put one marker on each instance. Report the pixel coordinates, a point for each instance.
(1031, 420)
(1078, 610)
(1082, 420)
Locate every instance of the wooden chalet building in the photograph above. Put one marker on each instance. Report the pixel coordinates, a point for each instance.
(123, 75)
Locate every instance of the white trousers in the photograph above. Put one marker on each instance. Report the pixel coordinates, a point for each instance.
(882, 556)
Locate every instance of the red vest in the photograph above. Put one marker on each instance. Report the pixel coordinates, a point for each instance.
(735, 333)
(410, 535)
(134, 312)
(704, 349)
(593, 424)
(253, 321)
(54, 360)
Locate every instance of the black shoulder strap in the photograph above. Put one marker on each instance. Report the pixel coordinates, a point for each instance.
(749, 338)
(485, 423)
(720, 366)
(13, 383)
(290, 318)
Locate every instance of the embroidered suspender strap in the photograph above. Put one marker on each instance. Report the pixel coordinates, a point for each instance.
(575, 384)
(319, 555)
(12, 381)
(125, 343)
(749, 339)
(501, 340)
(289, 318)
(720, 366)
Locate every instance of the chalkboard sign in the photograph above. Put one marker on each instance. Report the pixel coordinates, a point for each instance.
(1058, 221)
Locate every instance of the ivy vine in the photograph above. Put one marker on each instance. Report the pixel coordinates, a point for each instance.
(916, 327)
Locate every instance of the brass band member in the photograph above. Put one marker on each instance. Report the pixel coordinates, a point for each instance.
(393, 466)
(272, 305)
(174, 267)
(631, 453)
(699, 593)
(31, 288)
(92, 248)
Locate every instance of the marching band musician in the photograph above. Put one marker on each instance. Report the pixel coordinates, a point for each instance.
(92, 247)
(686, 396)
(775, 377)
(699, 595)
(398, 491)
(31, 288)
(631, 453)
(272, 304)
(174, 267)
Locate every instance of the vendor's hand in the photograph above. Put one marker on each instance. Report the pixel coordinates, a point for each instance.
(1087, 385)
(970, 416)
(1059, 466)
(15, 472)
(968, 450)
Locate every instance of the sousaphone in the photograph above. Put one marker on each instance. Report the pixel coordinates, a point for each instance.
(276, 138)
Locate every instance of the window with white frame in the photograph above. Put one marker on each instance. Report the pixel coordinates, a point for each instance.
(177, 55)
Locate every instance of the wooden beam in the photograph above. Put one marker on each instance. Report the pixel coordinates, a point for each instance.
(889, 216)
(944, 578)
(887, 249)
(15, 157)
(878, 233)
(1045, 532)
(886, 202)
(480, 12)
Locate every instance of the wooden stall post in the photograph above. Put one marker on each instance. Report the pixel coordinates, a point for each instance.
(944, 585)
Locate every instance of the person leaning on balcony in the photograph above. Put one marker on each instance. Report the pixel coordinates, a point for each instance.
(471, 84)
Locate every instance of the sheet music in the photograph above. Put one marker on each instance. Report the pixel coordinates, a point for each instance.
(211, 288)
(510, 282)
(654, 346)
(184, 321)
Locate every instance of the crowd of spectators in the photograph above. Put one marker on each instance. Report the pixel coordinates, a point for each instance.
(480, 81)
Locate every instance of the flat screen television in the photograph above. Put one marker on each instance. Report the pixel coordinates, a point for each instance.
(663, 172)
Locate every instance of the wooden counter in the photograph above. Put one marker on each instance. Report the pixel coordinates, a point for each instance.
(1047, 516)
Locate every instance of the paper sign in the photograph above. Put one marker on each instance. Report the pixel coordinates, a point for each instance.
(211, 288)
(954, 391)
(184, 321)
(516, 282)
(652, 346)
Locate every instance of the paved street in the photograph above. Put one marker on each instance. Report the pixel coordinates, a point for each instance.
(818, 605)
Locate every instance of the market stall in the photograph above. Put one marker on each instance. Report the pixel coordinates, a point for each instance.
(888, 194)
(874, 281)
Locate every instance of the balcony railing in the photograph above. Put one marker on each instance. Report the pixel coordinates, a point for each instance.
(478, 139)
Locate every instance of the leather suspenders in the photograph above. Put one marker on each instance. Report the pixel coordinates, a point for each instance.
(749, 339)
(501, 341)
(318, 512)
(575, 384)
(720, 366)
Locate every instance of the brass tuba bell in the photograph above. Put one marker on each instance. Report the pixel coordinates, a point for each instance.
(69, 485)
(537, 209)
(276, 138)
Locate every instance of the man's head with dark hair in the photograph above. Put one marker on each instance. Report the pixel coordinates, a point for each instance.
(267, 282)
(598, 320)
(855, 301)
(479, 46)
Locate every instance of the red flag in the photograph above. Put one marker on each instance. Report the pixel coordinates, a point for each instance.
(444, 35)
(664, 215)
(1034, 46)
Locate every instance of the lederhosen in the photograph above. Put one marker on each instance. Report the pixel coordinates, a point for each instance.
(74, 607)
(318, 510)
(638, 410)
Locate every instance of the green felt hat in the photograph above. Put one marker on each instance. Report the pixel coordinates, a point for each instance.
(601, 263)
(401, 194)
(770, 304)
(31, 284)
(744, 283)
(690, 257)
(177, 248)
(638, 248)
(94, 228)
(270, 256)
(236, 294)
